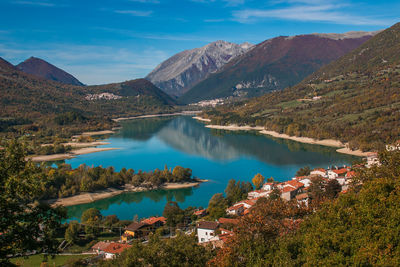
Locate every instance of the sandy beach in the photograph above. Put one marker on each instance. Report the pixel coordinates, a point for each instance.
(157, 115)
(97, 133)
(72, 154)
(342, 148)
(111, 192)
(201, 119)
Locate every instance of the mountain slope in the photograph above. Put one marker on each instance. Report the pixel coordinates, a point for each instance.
(355, 99)
(43, 69)
(28, 99)
(180, 72)
(274, 65)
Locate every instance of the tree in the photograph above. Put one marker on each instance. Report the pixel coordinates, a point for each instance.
(303, 171)
(258, 181)
(92, 219)
(71, 234)
(173, 213)
(332, 189)
(217, 206)
(26, 224)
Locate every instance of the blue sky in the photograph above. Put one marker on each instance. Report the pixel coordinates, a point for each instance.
(102, 41)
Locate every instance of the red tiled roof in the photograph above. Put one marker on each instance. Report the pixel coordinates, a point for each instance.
(228, 221)
(295, 184)
(288, 189)
(116, 248)
(350, 174)
(199, 212)
(100, 245)
(340, 171)
(153, 220)
(235, 207)
(319, 169)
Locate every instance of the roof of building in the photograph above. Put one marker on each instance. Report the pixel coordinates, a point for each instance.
(340, 171)
(116, 248)
(100, 245)
(228, 221)
(207, 225)
(135, 226)
(350, 174)
(319, 169)
(153, 220)
(288, 189)
(302, 196)
(200, 212)
(235, 207)
(294, 183)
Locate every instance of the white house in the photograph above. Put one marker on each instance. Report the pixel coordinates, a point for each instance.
(319, 172)
(235, 210)
(306, 182)
(114, 249)
(332, 175)
(268, 186)
(257, 194)
(206, 231)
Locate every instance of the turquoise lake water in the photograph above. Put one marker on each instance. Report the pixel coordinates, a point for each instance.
(216, 155)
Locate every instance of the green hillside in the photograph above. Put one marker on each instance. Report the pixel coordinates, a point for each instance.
(42, 107)
(357, 99)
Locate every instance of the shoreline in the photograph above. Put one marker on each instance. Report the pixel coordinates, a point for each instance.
(341, 147)
(70, 155)
(85, 198)
(158, 115)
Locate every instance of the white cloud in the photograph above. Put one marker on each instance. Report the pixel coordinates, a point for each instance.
(136, 13)
(314, 12)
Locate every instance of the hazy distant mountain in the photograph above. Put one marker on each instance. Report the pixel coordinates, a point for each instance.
(43, 69)
(275, 64)
(182, 71)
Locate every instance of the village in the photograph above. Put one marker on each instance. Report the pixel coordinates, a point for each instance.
(216, 232)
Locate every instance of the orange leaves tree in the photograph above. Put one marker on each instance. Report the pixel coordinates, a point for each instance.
(258, 180)
(254, 242)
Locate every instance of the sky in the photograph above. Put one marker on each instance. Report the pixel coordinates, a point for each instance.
(103, 41)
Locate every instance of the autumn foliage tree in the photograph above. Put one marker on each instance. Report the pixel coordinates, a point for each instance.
(258, 181)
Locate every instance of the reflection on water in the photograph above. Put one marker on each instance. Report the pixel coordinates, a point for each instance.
(217, 155)
(157, 197)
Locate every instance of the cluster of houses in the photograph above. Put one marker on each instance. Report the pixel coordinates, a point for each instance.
(216, 233)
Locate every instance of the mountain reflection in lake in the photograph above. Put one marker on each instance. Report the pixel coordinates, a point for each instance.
(147, 144)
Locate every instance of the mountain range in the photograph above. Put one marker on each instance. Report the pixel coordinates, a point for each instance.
(354, 99)
(274, 65)
(182, 71)
(40, 68)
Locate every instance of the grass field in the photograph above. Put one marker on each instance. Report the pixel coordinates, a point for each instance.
(36, 260)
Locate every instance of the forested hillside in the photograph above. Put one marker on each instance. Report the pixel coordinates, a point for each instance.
(355, 99)
(34, 105)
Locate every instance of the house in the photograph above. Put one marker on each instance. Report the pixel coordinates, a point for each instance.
(135, 230)
(393, 147)
(200, 213)
(332, 175)
(372, 159)
(319, 172)
(206, 231)
(154, 222)
(303, 199)
(341, 171)
(305, 181)
(247, 204)
(235, 210)
(114, 249)
(258, 194)
(268, 186)
(99, 247)
(288, 193)
(350, 174)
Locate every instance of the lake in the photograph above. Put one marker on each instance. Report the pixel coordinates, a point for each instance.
(216, 155)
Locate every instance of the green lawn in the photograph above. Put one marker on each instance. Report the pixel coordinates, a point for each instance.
(36, 260)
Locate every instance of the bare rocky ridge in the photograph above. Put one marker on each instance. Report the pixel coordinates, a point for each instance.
(182, 71)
